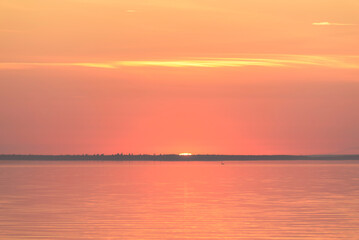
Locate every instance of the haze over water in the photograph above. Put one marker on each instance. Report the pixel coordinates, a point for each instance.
(179, 200)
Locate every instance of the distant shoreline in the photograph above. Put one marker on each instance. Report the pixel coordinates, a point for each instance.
(175, 157)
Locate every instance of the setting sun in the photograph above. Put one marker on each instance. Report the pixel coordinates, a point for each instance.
(185, 154)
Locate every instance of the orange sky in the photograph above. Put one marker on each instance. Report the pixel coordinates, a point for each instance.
(200, 76)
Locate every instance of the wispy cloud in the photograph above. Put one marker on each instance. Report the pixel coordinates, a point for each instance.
(332, 24)
(208, 63)
(263, 61)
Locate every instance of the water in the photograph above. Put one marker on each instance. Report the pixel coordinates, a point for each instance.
(179, 200)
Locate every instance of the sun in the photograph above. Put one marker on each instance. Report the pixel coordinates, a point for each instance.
(185, 154)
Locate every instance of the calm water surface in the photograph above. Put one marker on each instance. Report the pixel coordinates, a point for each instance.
(179, 200)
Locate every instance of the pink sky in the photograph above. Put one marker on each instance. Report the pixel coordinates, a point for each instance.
(224, 77)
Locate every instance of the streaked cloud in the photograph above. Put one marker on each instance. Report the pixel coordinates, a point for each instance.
(332, 24)
(208, 63)
(263, 61)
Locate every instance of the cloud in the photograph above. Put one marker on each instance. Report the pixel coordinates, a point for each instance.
(208, 63)
(258, 61)
(332, 24)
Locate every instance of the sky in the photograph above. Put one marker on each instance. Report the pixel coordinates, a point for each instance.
(199, 76)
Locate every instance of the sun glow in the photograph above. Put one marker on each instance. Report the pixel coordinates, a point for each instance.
(185, 154)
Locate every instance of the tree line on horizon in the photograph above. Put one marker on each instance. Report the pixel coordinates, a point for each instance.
(174, 157)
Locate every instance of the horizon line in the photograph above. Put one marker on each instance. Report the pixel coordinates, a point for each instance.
(171, 154)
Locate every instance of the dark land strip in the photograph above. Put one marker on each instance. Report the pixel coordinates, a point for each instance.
(175, 157)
